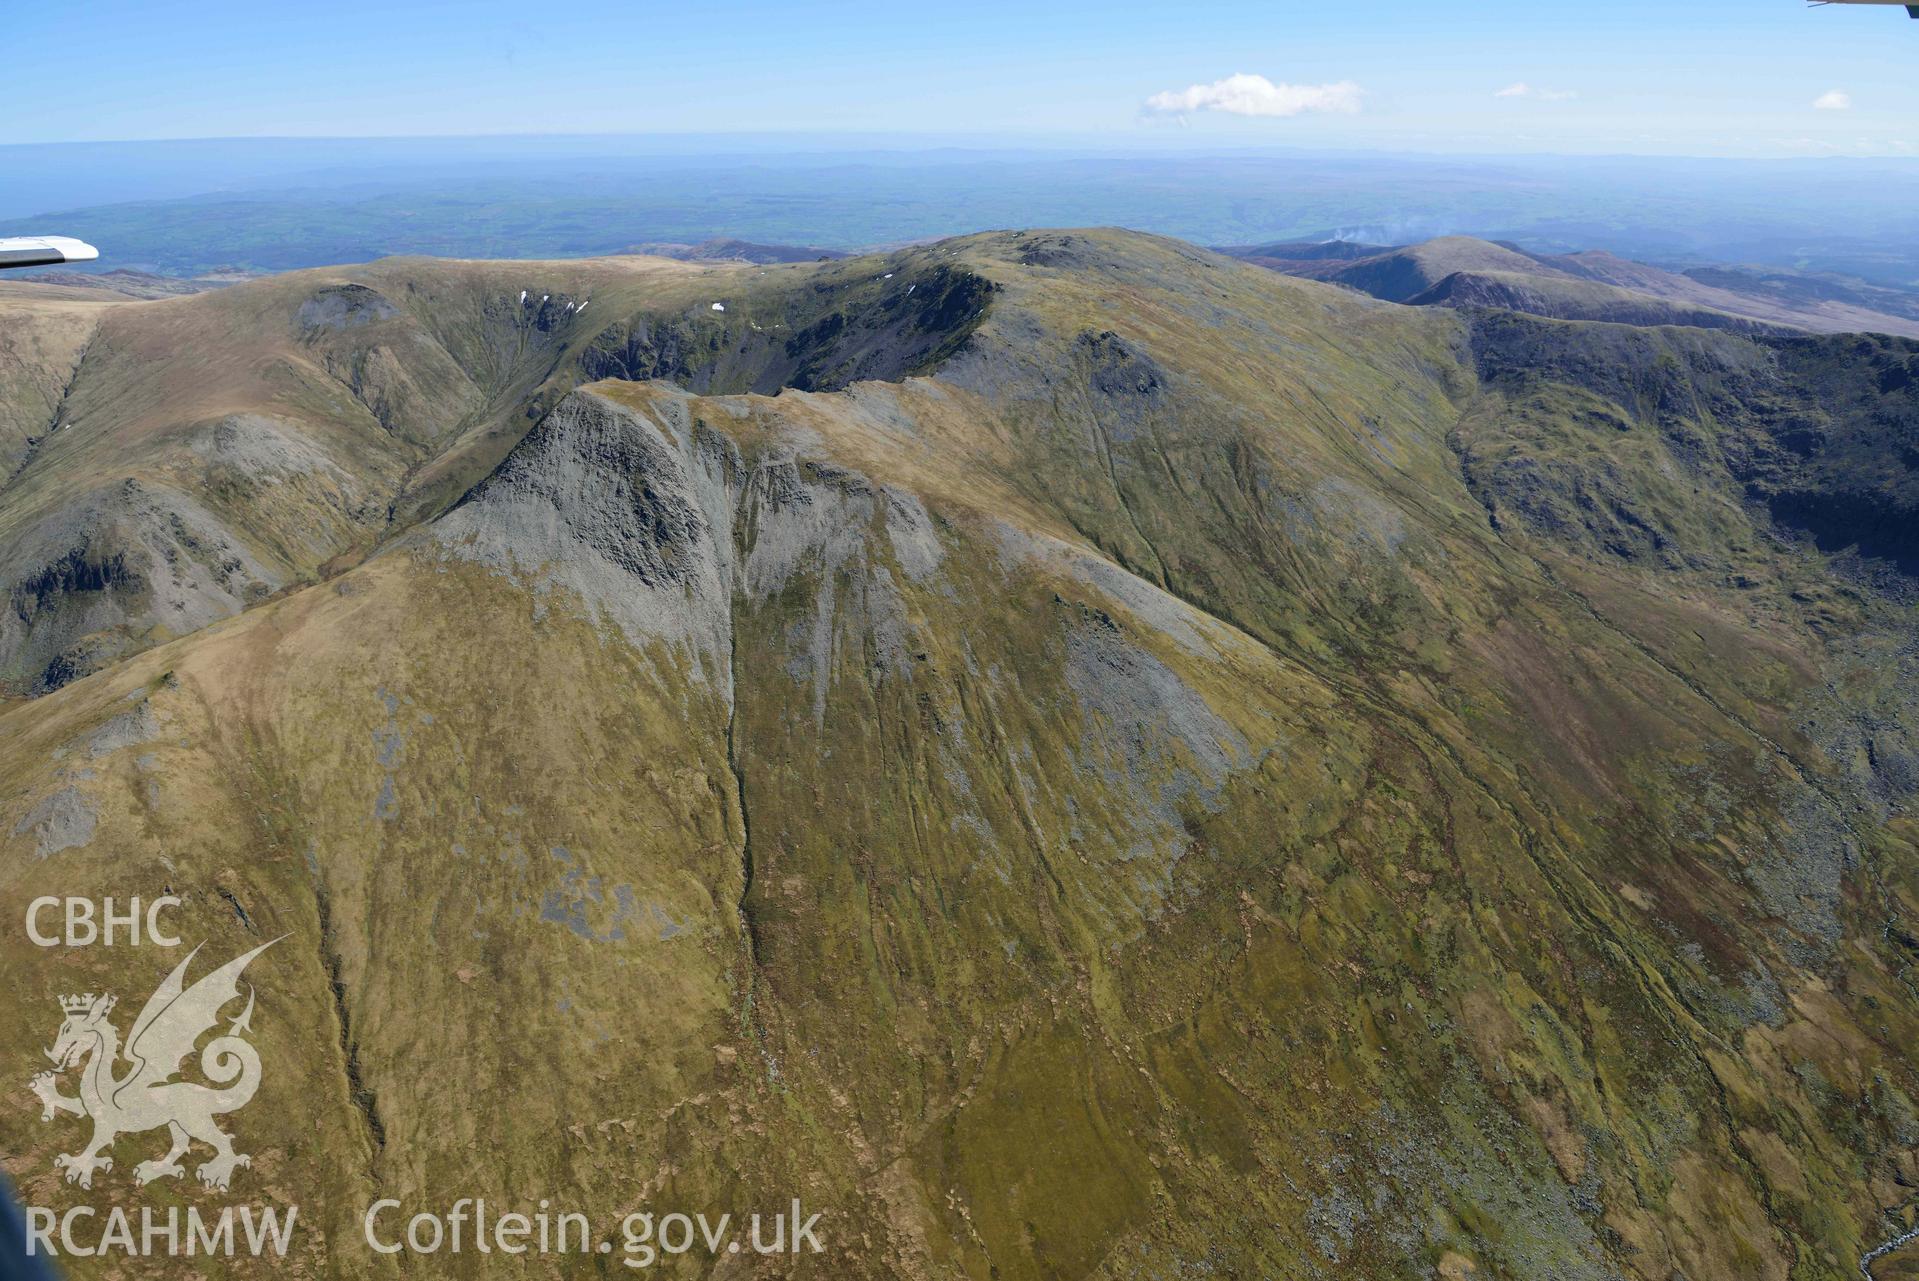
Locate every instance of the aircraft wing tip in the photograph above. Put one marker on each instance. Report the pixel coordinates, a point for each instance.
(44, 251)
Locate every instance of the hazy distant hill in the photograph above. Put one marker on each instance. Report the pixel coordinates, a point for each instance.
(1070, 754)
(127, 284)
(1462, 271)
(735, 251)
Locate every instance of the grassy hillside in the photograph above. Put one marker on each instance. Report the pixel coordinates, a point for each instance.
(1138, 766)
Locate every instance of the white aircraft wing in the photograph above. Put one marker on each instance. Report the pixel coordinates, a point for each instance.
(1912, 10)
(43, 251)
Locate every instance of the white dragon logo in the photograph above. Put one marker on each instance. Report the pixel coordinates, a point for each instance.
(147, 1096)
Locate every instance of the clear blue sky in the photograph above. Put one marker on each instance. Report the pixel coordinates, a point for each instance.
(1720, 77)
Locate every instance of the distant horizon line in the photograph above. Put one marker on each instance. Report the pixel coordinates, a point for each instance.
(1101, 144)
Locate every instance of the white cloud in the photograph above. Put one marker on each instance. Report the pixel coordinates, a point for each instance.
(1520, 89)
(1833, 100)
(1244, 95)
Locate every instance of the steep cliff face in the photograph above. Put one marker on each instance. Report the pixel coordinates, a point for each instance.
(1192, 771)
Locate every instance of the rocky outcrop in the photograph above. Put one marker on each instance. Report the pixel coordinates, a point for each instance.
(601, 500)
(93, 583)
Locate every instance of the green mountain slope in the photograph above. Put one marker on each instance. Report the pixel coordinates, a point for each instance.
(1143, 767)
(177, 460)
